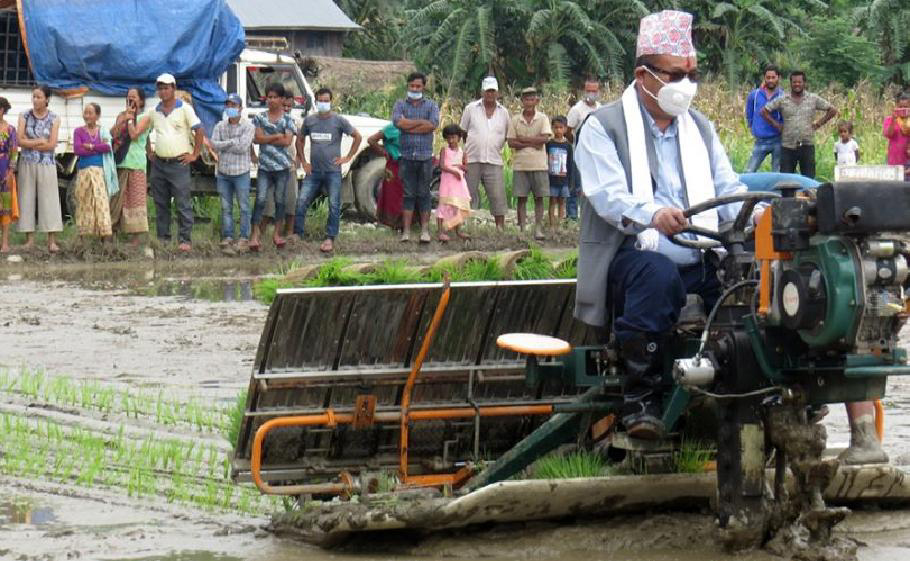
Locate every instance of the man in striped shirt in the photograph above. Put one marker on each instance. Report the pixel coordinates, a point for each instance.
(232, 139)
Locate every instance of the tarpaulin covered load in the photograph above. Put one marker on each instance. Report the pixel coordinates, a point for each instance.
(113, 45)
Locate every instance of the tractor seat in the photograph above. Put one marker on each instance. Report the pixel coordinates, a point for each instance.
(693, 312)
(533, 344)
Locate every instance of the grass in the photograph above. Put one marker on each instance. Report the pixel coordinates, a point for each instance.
(581, 463)
(692, 457)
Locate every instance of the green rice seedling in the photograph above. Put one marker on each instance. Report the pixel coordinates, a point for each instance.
(395, 271)
(581, 463)
(692, 457)
(534, 267)
(333, 274)
(568, 269)
(266, 289)
(235, 418)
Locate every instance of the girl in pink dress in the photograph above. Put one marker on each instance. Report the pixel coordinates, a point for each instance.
(454, 198)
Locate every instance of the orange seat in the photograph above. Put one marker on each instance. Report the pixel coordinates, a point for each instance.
(533, 344)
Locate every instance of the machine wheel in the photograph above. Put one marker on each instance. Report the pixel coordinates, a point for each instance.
(367, 183)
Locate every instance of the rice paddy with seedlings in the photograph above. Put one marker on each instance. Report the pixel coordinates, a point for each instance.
(179, 453)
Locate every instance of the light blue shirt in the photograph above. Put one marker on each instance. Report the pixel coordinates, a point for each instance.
(604, 182)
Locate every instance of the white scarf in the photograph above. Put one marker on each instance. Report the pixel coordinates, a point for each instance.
(695, 166)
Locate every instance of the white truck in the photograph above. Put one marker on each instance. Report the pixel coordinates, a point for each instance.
(248, 77)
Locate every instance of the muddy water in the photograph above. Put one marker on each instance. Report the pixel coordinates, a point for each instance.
(195, 331)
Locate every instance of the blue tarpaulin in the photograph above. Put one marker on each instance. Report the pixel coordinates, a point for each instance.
(113, 45)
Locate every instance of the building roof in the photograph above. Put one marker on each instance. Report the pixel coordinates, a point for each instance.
(292, 14)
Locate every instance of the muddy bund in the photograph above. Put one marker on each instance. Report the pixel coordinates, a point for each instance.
(118, 383)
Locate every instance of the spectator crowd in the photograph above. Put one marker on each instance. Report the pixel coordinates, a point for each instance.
(118, 168)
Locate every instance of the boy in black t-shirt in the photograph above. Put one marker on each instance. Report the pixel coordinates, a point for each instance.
(559, 166)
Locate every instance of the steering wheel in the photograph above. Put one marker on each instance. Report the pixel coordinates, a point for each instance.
(739, 231)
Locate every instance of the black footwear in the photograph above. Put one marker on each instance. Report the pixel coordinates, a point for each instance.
(642, 357)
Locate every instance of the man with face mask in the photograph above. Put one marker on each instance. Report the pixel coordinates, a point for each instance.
(231, 140)
(576, 116)
(323, 170)
(643, 159)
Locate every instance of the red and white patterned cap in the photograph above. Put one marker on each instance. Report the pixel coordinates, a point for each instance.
(665, 33)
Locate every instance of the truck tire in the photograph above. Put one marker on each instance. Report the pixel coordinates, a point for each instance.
(367, 182)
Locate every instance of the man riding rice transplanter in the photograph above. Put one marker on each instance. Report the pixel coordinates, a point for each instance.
(643, 159)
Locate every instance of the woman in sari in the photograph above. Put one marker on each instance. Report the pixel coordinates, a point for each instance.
(391, 193)
(9, 206)
(129, 209)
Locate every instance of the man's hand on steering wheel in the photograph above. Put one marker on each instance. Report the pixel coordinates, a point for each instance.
(669, 221)
(739, 231)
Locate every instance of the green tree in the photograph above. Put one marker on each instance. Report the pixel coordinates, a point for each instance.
(887, 23)
(382, 22)
(739, 33)
(463, 40)
(835, 51)
(563, 38)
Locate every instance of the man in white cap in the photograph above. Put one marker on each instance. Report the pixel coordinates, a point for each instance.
(178, 140)
(486, 122)
(643, 159)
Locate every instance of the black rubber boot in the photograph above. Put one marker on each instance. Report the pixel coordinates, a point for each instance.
(642, 356)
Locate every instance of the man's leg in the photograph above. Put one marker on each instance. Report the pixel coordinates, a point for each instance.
(521, 187)
(541, 188)
(242, 188)
(865, 447)
(495, 186)
(647, 294)
(759, 151)
(309, 190)
(775, 155)
(183, 185)
(279, 180)
(473, 177)
(408, 173)
(333, 225)
(787, 160)
(226, 195)
(807, 160)
(424, 201)
(262, 191)
(161, 194)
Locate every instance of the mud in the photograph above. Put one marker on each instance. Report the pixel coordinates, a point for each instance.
(150, 324)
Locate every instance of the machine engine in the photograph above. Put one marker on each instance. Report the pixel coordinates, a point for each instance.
(838, 276)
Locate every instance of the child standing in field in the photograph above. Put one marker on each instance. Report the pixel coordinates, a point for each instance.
(454, 197)
(559, 168)
(897, 130)
(846, 150)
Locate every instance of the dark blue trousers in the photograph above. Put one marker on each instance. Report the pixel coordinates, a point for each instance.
(647, 291)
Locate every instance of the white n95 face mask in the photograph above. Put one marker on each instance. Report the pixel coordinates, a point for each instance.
(675, 97)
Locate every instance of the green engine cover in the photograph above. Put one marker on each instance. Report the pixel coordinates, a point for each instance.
(834, 257)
